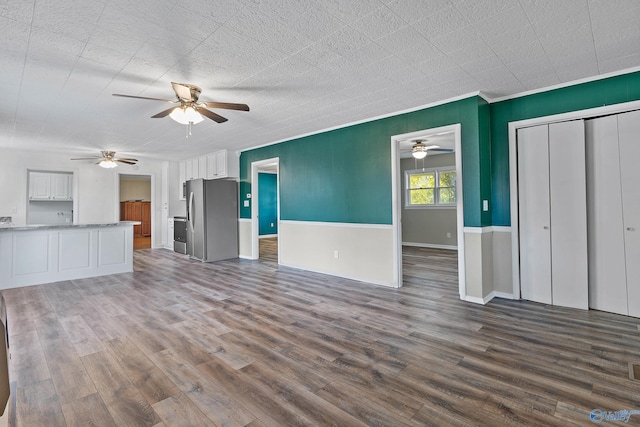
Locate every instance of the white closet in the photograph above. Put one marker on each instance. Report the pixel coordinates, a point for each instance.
(613, 151)
(552, 214)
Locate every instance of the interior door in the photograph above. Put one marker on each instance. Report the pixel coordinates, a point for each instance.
(567, 195)
(534, 214)
(629, 141)
(607, 265)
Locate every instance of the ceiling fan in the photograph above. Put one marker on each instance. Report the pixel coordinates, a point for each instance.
(419, 149)
(189, 110)
(108, 159)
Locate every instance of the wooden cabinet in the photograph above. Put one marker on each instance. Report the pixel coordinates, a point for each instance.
(146, 219)
(137, 211)
(50, 186)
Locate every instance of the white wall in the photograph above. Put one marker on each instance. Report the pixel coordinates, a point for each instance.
(95, 189)
(135, 189)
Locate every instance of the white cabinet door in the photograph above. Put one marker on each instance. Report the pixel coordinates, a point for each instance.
(202, 167)
(607, 272)
(217, 165)
(567, 194)
(188, 170)
(195, 173)
(629, 140)
(534, 214)
(39, 186)
(60, 184)
(182, 178)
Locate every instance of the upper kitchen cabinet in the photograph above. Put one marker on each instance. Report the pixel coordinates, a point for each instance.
(50, 186)
(216, 165)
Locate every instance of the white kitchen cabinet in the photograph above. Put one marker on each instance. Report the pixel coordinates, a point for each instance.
(50, 186)
(39, 186)
(553, 214)
(222, 164)
(202, 167)
(191, 169)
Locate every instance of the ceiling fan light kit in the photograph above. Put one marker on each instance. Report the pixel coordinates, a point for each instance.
(107, 164)
(186, 115)
(190, 111)
(108, 159)
(419, 150)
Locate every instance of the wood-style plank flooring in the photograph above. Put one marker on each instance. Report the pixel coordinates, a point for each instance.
(249, 343)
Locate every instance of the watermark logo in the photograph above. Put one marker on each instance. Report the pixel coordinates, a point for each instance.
(598, 415)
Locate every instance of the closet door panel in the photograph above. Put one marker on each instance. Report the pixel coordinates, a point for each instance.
(629, 141)
(607, 271)
(533, 200)
(567, 191)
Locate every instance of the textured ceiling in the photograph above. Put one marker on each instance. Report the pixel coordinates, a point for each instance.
(302, 66)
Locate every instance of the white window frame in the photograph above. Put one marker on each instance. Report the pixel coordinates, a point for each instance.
(436, 189)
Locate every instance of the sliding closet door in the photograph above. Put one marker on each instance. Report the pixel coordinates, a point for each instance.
(567, 190)
(607, 265)
(534, 214)
(629, 140)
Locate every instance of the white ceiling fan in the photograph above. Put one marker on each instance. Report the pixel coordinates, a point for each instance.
(108, 159)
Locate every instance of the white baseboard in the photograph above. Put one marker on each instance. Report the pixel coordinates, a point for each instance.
(430, 245)
(488, 298)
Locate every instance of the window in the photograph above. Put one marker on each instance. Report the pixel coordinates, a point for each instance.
(430, 187)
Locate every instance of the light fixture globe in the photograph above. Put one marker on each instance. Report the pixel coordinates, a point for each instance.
(107, 164)
(419, 150)
(186, 115)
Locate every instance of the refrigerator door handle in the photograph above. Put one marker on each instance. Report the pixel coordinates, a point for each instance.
(190, 210)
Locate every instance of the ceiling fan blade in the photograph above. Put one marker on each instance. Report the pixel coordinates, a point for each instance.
(127, 159)
(144, 97)
(87, 158)
(124, 161)
(226, 105)
(182, 92)
(213, 116)
(164, 113)
(444, 150)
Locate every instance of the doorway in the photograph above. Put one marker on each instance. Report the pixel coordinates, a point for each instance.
(135, 205)
(265, 209)
(401, 147)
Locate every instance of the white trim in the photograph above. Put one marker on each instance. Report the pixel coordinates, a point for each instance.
(349, 277)
(513, 167)
(255, 169)
(486, 299)
(488, 229)
(478, 230)
(372, 119)
(397, 188)
(267, 236)
(430, 245)
(567, 84)
(244, 219)
(338, 224)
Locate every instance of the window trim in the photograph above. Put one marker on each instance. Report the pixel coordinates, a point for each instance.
(436, 171)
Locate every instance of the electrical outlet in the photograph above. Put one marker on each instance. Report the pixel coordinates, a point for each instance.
(336, 255)
(271, 225)
(246, 203)
(448, 235)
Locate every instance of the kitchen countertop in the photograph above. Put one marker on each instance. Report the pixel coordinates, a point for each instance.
(9, 227)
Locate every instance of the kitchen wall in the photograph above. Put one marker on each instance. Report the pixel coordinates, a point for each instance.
(428, 226)
(95, 189)
(135, 189)
(50, 212)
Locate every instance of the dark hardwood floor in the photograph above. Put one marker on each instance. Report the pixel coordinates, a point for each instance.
(249, 343)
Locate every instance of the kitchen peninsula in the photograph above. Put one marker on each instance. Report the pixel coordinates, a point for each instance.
(32, 255)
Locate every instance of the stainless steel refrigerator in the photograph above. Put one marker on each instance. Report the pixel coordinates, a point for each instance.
(212, 219)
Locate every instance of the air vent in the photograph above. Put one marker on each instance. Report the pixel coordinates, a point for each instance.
(634, 371)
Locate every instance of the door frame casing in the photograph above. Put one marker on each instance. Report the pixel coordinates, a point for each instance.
(255, 194)
(396, 198)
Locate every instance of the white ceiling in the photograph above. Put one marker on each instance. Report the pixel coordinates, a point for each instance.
(302, 66)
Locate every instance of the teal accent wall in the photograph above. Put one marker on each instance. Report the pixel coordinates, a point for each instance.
(344, 175)
(613, 90)
(267, 204)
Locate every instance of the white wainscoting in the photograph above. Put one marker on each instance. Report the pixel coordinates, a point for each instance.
(361, 252)
(36, 256)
